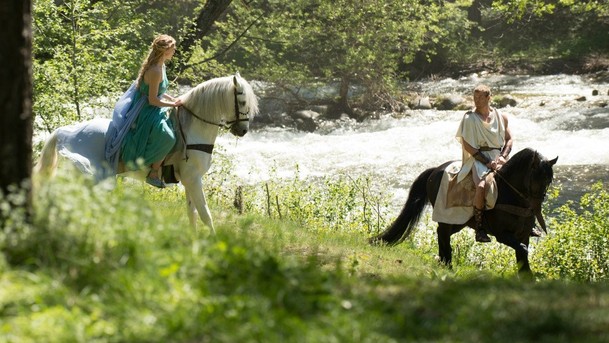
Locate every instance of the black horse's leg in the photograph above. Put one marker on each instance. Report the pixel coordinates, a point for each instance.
(522, 257)
(445, 250)
(521, 249)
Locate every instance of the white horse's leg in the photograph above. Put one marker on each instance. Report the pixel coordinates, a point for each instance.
(191, 211)
(194, 192)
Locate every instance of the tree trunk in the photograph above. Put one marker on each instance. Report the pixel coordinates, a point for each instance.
(474, 13)
(211, 12)
(343, 95)
(16, 95)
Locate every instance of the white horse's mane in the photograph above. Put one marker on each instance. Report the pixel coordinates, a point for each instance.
(214, 99)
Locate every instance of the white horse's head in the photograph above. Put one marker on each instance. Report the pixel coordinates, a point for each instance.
(225, 101)
(246, 106)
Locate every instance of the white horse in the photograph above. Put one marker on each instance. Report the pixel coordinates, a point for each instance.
(227, 102)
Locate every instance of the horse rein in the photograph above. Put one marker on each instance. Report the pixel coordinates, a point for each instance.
(523, 211)
(208, 148)
(230, 123)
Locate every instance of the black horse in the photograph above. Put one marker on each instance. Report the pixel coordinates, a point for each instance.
(522, 184)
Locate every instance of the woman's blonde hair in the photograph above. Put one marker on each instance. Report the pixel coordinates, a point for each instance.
(160, 44)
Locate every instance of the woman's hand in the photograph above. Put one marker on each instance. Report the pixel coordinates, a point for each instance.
(177, 103)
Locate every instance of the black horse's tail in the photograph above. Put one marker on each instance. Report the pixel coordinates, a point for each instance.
(404, 224)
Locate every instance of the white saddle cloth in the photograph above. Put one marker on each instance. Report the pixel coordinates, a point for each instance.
(454, 202)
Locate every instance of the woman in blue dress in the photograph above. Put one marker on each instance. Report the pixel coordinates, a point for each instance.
(140, 133)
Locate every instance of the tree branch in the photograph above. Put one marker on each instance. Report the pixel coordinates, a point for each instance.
(210, 13)
(186, 66)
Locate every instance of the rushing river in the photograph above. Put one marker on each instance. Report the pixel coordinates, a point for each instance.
(551, 116)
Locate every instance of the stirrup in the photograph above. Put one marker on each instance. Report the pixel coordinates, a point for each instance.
(482, 236)
(158, 183)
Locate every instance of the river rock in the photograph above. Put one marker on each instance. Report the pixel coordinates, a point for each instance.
(449, 102)
(305, 120)
(305, 125)
(505, 101)
(305, 115)
(321, 109)
(272, 105)
(421, 103)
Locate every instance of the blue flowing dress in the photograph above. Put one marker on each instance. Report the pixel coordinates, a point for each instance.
(140, 134)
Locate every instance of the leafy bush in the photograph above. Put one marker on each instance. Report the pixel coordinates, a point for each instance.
(112, 265)
(335, 203)
(578, 246)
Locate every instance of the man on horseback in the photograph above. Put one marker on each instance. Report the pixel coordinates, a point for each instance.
(486, 143)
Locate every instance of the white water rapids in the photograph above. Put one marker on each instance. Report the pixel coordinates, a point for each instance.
(549, 118)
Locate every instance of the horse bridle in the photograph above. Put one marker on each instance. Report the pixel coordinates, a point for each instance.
(229, 124)
(533, 209)
(208, 148)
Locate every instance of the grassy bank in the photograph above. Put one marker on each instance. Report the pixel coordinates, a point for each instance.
(124, 266)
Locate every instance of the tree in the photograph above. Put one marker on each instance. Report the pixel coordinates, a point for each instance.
(86, 52)
(349, 42)
(516, 9)
(83, 52)
(16, 97)
(209, 14)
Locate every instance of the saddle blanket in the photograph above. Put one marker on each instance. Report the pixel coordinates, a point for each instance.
(83, 144)
(454, 200)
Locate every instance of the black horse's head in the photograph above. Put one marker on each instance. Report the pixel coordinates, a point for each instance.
(530, 173)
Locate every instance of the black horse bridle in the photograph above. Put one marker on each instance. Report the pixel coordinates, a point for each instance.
(209, 148)
(534, 202)
(229, 124)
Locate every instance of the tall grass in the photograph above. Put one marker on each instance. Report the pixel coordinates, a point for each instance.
(123, 265)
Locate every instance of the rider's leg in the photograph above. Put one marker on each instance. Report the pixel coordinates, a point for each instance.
(479, 199)
(154, 177)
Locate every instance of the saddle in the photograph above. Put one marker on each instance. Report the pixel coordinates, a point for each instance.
(454, 199)
(180, 149)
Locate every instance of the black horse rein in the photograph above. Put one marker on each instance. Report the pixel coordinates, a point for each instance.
(230, 123)
(208, 148)
(534, 210)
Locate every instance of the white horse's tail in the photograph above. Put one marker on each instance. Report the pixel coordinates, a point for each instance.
(47, 163)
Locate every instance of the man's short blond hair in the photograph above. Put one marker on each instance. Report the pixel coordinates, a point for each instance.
(484, 89)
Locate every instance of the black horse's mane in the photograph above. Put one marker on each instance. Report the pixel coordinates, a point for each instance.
(519, 161)
(528, 160)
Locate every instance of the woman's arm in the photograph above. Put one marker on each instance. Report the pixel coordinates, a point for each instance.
(168, 97)
(153, 78)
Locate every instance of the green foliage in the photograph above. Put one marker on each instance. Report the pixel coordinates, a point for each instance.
(82, 54)
(85, 54)
(467, 254)
(122, 265)
(517, 9)
(534, 34)
(111, 265)
(334, 203)
(350, 42)
(578, 245)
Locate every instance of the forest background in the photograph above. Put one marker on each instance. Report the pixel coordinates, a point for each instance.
(91, 265)
(87, 52)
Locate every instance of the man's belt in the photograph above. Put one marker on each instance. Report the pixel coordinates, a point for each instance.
(486, 148)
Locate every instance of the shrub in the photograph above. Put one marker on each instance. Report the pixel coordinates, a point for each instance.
(578, 246)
